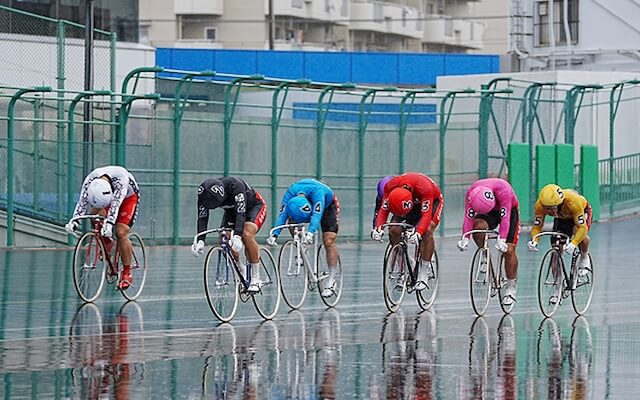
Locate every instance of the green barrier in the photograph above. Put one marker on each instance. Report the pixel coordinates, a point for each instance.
(565, 161)
(589, 181)
(545, 167)
(520, 176)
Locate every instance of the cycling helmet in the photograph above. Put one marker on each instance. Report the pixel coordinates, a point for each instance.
(551, 196)
(99, 193)
(299, 209)
(481, 199)
(400, 201)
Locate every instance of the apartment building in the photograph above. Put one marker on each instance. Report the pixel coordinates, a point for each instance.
(322, 25)
(593, 35)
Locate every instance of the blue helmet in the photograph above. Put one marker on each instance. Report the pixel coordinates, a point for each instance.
(299, 209)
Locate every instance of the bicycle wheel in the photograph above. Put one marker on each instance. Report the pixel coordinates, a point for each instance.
(138, 268)
(322, 272)
(427, 296)
(501, 282)
(89, 266)
(550, 280)
(582, 288)
(292, 272)
(221, 283)
(267, 300)
(394, 277)
(480, 276)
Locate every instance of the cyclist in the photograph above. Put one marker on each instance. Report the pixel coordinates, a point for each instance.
(379, 195)
(310, 200)
(244, 212)
(489, 203)
(416, 199)
(111, 191)
(572, 216)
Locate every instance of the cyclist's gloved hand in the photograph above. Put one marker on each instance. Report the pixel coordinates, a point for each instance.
(308, 238)
(415, 238)
(71, 227)
(197, 248)
(463, 244)
(235, 242)
(376, 234)
(570, 248)
(107, 230)
(272, 240)
(501, 245)
(532, 245)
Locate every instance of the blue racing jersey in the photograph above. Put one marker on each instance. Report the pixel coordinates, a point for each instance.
(319, 195)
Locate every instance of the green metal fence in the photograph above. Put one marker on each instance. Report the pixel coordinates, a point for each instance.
(273, 132)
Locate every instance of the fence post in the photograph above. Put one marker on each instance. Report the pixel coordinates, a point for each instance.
(589, 179)
(565, 166)
(404, 122)
(60, 115)
(10, 150)
(519, 175)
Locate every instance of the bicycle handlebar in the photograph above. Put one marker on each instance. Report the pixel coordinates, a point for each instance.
(81, 217)
(563, 235)
(492, 233)
(195, 238)
(286, 226)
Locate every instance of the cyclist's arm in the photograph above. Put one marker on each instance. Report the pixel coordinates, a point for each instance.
(83, 202)
(505, 216)
(119, 186)
(538, 221)
(376, 210)
(240, 199)
(203, 220)
(282, 216)
(467, 222)
(316, 213)
(427, 212)
(383, 213)
(580, 221)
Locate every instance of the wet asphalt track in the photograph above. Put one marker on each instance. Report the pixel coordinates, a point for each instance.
(168, 344)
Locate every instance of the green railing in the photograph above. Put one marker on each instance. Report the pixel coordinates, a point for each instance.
(620, 184)
(273, 132)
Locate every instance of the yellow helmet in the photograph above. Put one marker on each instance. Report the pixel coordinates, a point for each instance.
(551, 195)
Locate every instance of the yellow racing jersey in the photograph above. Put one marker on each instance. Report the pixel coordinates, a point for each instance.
(572, 207)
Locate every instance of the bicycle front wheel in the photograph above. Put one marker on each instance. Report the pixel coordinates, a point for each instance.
(89, 266)
(292, 272)
(394, 277)
(550, 280)
(330, 291)
(582, 288)
(221, 283)
(427, 296)
(138, 268)
(267, 300)
(480, 276)
(501, 283)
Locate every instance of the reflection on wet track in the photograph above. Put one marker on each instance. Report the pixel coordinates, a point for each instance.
(169, 345)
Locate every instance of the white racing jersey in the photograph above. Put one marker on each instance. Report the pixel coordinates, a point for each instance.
(123, 185)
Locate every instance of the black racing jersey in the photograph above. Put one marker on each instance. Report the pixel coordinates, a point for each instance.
(229, 193)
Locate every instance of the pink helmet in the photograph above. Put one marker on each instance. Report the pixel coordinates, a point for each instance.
(481, 199)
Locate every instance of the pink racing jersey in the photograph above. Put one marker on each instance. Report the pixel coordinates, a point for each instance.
(505, 199)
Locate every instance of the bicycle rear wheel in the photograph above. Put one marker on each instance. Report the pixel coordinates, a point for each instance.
(550, 280)
(322, 272)
(501, 282)
(221, 283)
(427, 296)
(582, 288)
(89, 266)
(292, 272)
(480, 276)
(267, 300)
(394, 277)
(138, 268)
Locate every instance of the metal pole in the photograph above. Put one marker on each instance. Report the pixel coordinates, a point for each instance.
(87, 136)
(272, 25)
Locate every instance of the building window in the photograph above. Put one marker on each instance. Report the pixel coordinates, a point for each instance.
(210, 33)
(541, 23)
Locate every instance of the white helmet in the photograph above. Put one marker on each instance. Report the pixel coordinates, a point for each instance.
(99, 193)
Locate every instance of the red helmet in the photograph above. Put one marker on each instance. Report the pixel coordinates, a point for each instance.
(481, 199)
(400, 201)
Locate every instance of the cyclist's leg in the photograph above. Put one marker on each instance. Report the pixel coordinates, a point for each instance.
(125, 220)
(481, 222)
(330, 226)
(511, 257)
(395, 231)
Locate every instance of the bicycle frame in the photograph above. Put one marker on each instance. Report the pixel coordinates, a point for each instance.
(407, 231)
(298, 234)
(111, 263)
(228, 253)
(489, 234)
(558, 248)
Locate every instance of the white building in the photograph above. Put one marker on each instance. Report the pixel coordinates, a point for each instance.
(595, 35)
(324, 25)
